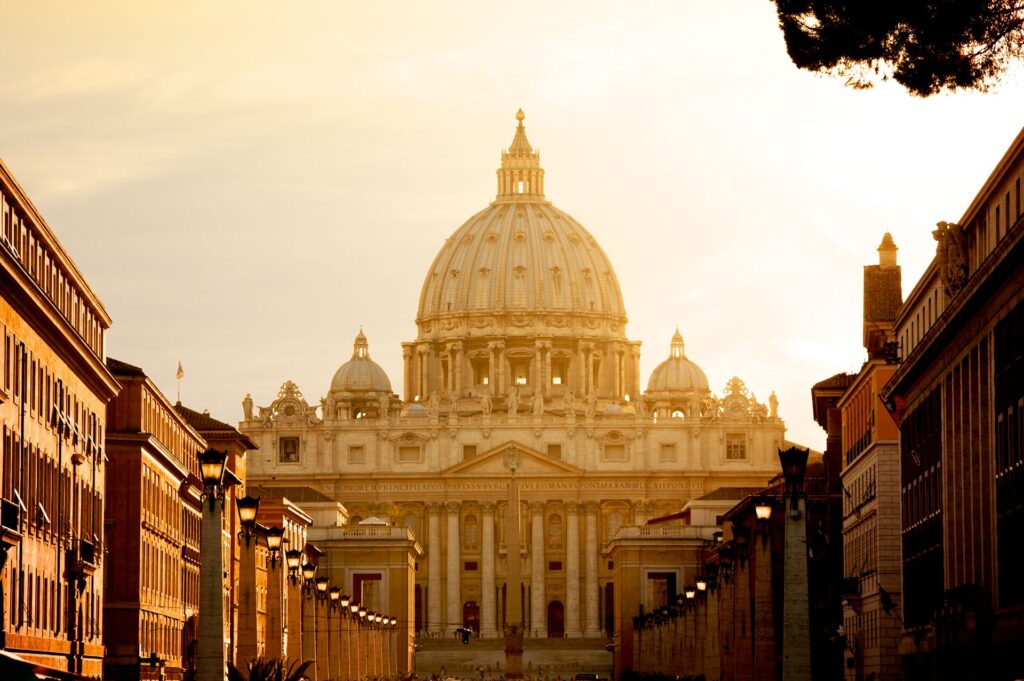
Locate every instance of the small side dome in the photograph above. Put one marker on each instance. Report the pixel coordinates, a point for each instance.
(360, 374)
(677, 373)
(416, 410)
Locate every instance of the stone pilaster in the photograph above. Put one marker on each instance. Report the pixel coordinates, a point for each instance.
(796, 626)
(538, 596)
(572, 571)
(592, 627)
(434, 617)
(489, 622)
(210, 646)
(453, 577)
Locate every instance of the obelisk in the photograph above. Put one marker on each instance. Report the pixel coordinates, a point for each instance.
(513, 584)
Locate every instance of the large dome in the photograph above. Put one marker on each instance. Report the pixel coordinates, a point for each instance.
(677, 373)
(521, 255)
(360, 374)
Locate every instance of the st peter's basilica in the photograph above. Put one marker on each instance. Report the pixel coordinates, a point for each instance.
(520, 354)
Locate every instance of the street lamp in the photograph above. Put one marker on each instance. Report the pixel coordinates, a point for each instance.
(335, 594)
(275, 535)
(212, 465)
(293, 558)
(247, 508)
(763, 512)
(321, 587)
(691, 593)
(794, 465)
(702, 584)
(345, 600)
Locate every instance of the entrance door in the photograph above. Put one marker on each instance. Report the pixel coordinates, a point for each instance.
(471, 616)
(556, 619)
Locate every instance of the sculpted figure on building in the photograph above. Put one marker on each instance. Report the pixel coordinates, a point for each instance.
(521, 303)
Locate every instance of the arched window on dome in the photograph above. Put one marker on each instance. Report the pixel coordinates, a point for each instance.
(654, 416)
(481, 371)
(359, 414)
(520, 187)
(678, 414)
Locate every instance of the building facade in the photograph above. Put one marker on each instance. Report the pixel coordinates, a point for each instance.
(958, 396)
(521, 354)
(871, 489)
(53, 393)
(154, 498)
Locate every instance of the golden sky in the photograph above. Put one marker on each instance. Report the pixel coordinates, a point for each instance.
(245, 183)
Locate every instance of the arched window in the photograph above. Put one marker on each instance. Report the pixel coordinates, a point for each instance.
(554, 531)
(678, 414)
(612, 524)
(471, 529)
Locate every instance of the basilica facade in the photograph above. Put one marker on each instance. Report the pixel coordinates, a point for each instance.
(521, 355)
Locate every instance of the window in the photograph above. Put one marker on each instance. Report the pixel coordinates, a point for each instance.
(470, 566)
(480, 371)
(288, 450)
(471, 531)
(554, 531)
(468, 452)
(559, 370)
(736, 446)
(409, 454)
(668, 452)
(614, 452)
(555, 451)
(356, 454)
(554, 566)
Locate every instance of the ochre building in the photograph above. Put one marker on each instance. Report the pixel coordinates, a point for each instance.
(521, 354)
(54, 387)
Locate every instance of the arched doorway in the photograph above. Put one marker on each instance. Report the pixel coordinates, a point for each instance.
(556, 619)
(471, 616)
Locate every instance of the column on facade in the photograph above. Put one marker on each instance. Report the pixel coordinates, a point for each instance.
(424, 373)
(454, 573)
(581, 356)
(538, 595)
(407, 378)
(547, 368)
(592, 628)
(457, 359)
(488, 624)
(634, 350)
(497, 373)
(572, 571)
(434, 616)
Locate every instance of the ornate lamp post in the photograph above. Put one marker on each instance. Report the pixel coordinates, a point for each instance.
(275, 536)
(344, 644)
(796, 637)
(355, 651)
(308, 615)
(248, 506)
(333, 597)
(210, 651)
(293, 558)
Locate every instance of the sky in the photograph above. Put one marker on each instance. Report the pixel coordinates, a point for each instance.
(244, 184)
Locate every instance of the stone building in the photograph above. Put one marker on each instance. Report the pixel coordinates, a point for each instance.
(958, 396)
(521, 354)
(54, 387)
(153, 516)
(871, 489)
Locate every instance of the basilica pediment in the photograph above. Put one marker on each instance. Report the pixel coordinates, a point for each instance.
(498, 461)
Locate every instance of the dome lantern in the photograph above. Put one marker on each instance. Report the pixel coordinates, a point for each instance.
(520, 176)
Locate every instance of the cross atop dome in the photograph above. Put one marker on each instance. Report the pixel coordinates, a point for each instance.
(520, 177)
